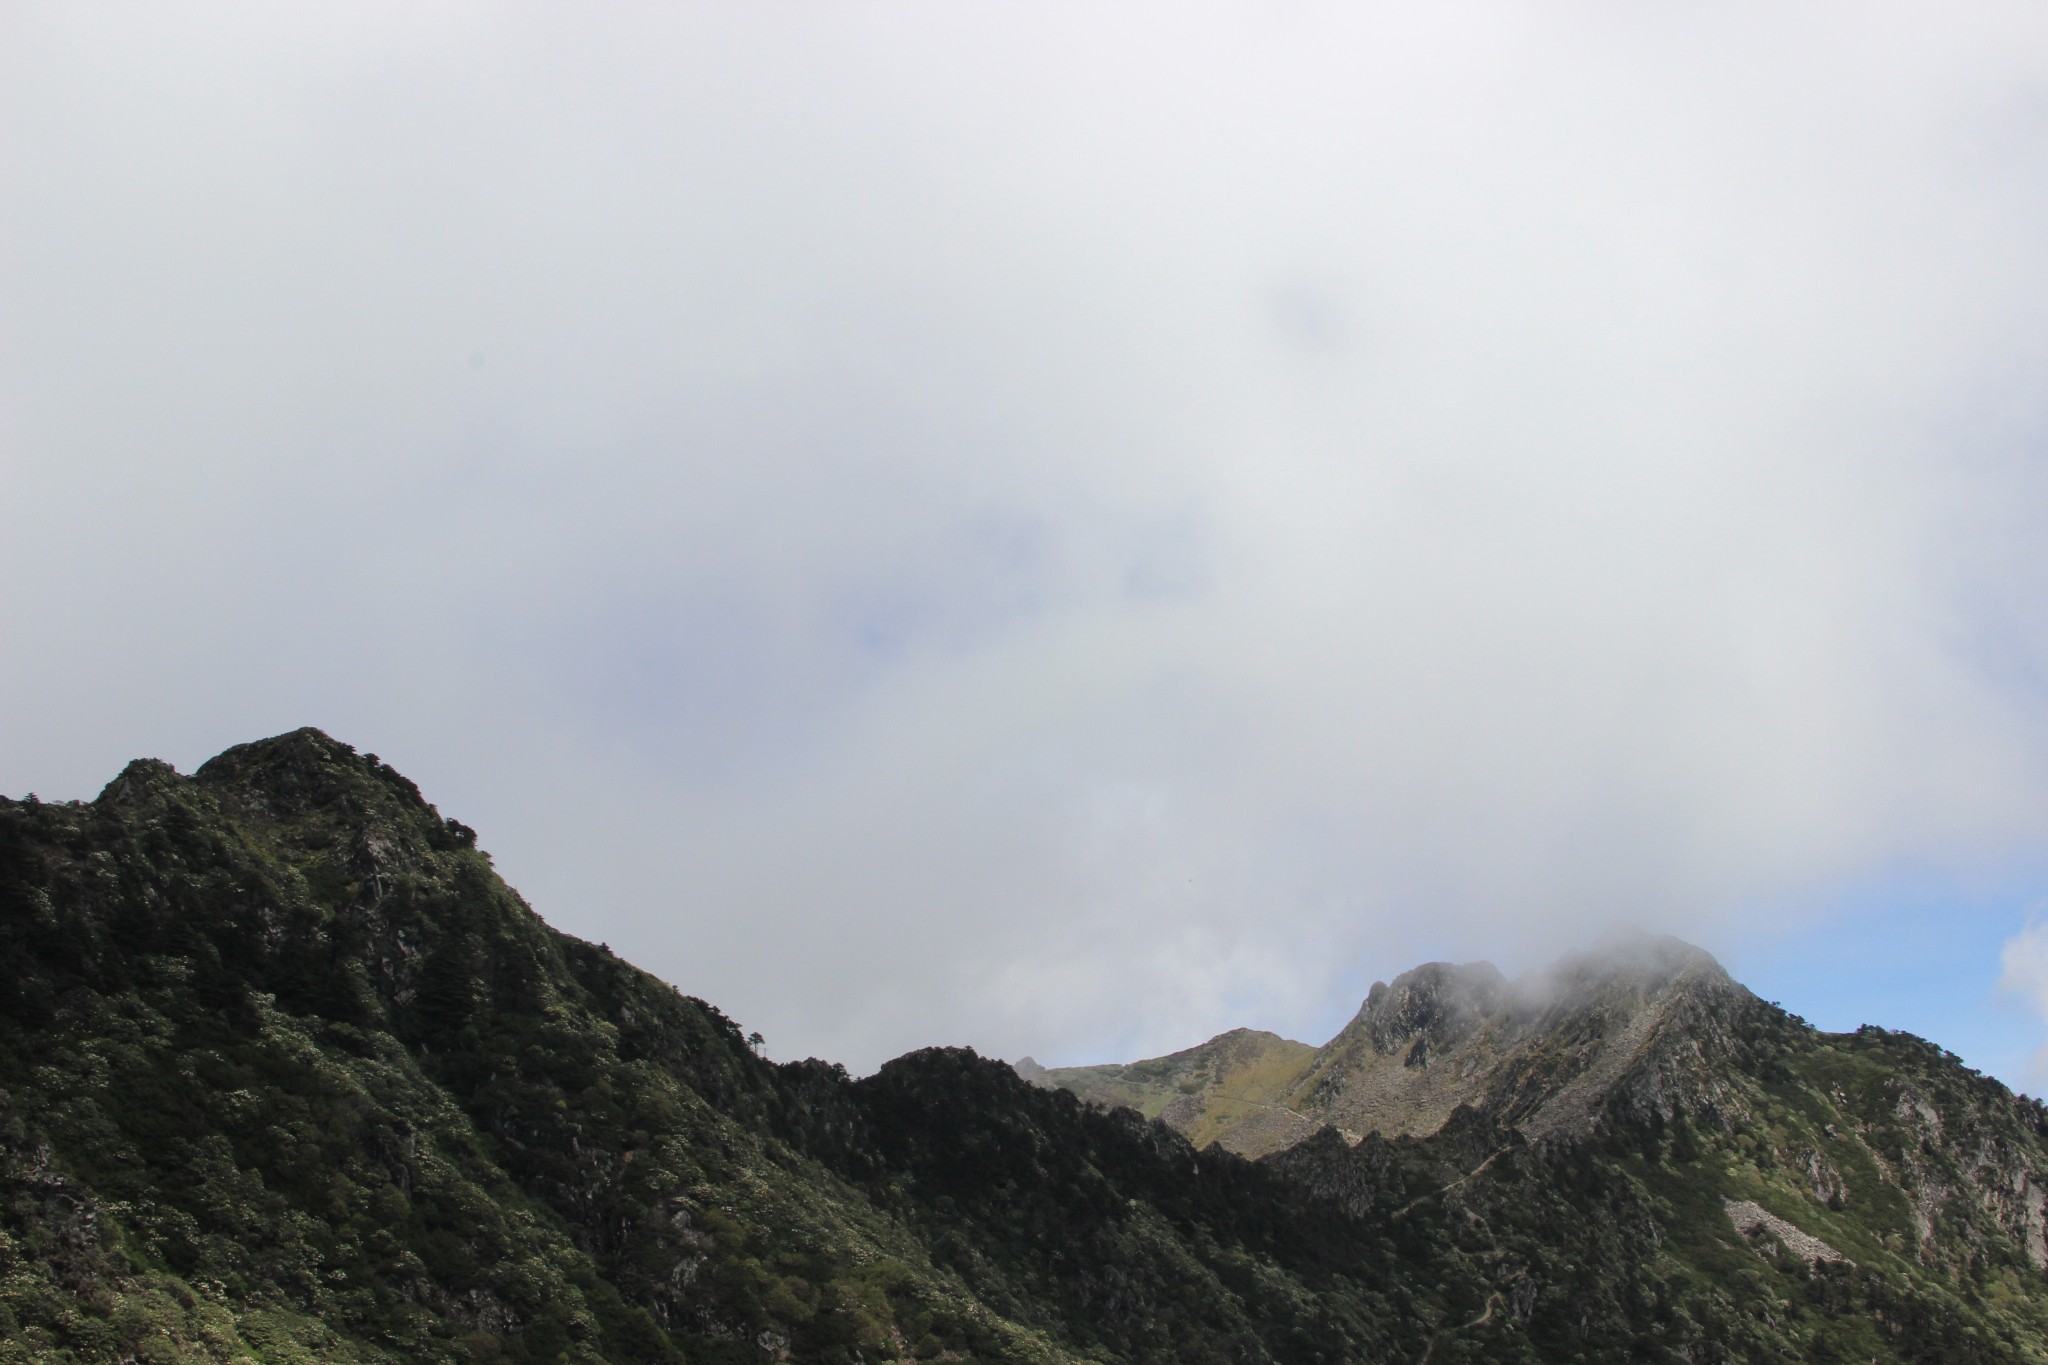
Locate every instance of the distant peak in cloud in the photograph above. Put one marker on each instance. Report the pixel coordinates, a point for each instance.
(1249, 499)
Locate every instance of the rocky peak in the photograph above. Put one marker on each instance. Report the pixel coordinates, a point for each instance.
(1629, 973)
(138, 781)
(1441, 999)
(333, 795)
(1644, 1024)
(290, 774)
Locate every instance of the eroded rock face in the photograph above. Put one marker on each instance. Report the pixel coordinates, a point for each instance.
(1647, 1028)
(1439, 1003)
(1767, 1231)
(1658, 1048)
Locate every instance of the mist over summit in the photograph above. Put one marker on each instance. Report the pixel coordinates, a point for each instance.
(1245, 497)
(918, 533)
(1632, 1027)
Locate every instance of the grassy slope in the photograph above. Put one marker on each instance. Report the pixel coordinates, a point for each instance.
(1213, 1087)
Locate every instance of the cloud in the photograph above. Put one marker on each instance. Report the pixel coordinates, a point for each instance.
(2025, 962)
(1057, 530)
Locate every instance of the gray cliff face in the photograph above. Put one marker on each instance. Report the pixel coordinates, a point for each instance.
(1544, 1055)
(1649, 1026)
(1437, 1004)
(1653, 1029)
(1654, 1036)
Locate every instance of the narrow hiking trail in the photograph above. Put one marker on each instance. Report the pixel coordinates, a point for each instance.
(1440, 1193)
(1493, 1301)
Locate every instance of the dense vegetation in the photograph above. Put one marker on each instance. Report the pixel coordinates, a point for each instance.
(288, 1074)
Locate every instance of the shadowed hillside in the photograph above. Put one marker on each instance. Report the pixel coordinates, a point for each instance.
(288, 1074)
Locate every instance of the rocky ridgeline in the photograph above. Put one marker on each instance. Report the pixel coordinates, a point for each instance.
(1653, 1028)
(287, 1073)
(1654, 1034)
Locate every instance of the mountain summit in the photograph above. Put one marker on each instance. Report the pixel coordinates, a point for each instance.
(288, 1074)
(1646, 1026)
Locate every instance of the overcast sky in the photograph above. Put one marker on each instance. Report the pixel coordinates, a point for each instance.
(1068, 528)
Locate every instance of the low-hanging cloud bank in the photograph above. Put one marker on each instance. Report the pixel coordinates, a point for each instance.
(1058, 530)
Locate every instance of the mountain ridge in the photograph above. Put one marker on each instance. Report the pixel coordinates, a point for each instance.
(1545, 1053)
(287, 1073)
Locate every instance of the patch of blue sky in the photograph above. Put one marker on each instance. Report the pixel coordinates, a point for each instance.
(1916, 949)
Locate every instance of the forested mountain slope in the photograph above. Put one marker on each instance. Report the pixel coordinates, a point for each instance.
(288, 1074)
